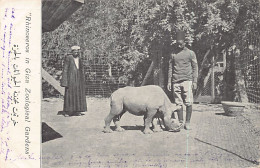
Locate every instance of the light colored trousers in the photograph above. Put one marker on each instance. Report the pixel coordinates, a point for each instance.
(182, 93)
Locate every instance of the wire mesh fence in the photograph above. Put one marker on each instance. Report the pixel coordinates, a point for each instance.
(102, 77)
(212, 87)
(250, 65)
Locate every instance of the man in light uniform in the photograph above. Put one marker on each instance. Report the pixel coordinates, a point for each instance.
(182, 78)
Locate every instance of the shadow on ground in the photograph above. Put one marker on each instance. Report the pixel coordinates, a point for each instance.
(224, 114)
(61, 113)
(241, 157)
(137, 127)
(48, 133)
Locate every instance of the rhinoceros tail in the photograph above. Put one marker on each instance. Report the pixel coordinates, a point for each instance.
(116, 103)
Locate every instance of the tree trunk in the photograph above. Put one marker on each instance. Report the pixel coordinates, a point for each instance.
(240, 87)
(148, 74)
(158, 76)
(229, 77)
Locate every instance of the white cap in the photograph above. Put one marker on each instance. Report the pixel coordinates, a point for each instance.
(75, 48)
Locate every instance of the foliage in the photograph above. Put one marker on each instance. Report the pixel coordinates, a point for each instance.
(127, 31)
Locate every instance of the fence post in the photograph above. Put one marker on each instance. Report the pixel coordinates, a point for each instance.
(213, 81)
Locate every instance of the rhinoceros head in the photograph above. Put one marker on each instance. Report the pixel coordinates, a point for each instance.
(172, 124)
(175, 126)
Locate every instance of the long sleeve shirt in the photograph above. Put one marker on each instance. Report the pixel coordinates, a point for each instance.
(183, 66)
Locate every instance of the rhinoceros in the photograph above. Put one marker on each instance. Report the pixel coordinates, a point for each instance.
(149, 101)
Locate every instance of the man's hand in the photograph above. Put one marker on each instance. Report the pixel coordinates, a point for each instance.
(194, 86)
(169, 86)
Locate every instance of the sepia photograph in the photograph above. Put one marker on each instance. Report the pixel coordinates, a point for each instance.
(150, 83)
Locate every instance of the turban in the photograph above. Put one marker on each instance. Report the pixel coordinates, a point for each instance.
(75, 48)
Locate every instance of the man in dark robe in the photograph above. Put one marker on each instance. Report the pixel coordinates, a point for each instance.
(73, 79)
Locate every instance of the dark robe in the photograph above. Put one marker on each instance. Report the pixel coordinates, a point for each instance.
(73, 79)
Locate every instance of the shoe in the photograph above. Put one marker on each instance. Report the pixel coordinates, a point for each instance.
(66, 115)
(79, 114)
(187, 126)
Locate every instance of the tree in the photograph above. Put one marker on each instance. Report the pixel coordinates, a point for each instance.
(130, 32)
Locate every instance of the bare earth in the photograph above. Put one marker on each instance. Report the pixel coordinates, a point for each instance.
(216, 140)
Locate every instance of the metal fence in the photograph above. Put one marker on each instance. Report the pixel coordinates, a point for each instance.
(102, 77)
(250, 65)
(212, 84)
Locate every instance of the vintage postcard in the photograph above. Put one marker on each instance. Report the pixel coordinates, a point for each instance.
(20, 83)
(129, 83)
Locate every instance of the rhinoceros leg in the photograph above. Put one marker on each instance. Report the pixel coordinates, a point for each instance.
(148, 119)
(116, 121)
(156, 126)
(116, 111)
(108, 120)
(145, 116)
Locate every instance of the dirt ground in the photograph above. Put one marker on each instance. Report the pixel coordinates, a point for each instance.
(215, 141)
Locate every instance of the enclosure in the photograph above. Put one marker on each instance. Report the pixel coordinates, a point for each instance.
(128, 43)
(216, 140)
